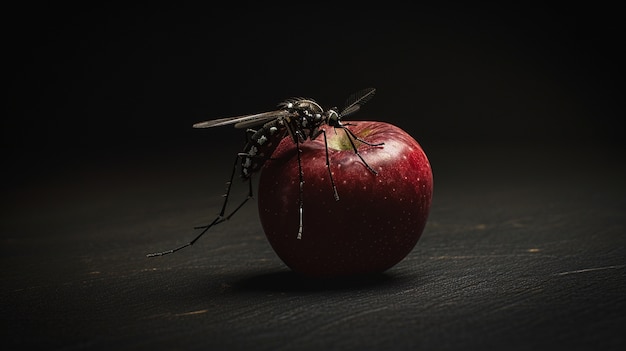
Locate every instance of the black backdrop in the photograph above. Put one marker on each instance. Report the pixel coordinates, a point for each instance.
(91, 81)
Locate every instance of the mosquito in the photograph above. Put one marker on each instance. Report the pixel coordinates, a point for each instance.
(297, 118)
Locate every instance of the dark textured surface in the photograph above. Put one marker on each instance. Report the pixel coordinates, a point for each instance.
(523, 250)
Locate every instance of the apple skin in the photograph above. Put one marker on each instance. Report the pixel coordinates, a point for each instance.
(379, 217)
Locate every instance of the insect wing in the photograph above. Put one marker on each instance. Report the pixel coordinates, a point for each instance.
(240, 121)
(350, 110)
(356, 100)
(262, 118)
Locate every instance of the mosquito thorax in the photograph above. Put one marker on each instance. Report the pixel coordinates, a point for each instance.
(302, 106)
(311, 106)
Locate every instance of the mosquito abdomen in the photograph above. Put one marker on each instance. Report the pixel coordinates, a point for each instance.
(260, 147)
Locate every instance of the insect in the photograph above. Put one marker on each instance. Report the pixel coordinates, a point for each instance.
(297, 118)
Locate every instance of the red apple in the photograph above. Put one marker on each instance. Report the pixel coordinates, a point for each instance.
(376, 222)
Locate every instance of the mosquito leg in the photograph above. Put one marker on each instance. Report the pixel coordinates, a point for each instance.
(242, 203)
(249, 134)
(351, 135)
(219, 219)
(359, 139)
(330, 174)
(301, 175)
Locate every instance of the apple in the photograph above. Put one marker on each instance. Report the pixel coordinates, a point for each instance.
(378, 218)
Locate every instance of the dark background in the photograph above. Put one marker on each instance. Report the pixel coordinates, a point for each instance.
(109, 80)
(520, 109)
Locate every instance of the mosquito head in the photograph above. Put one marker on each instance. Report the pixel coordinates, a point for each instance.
(332, 117)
